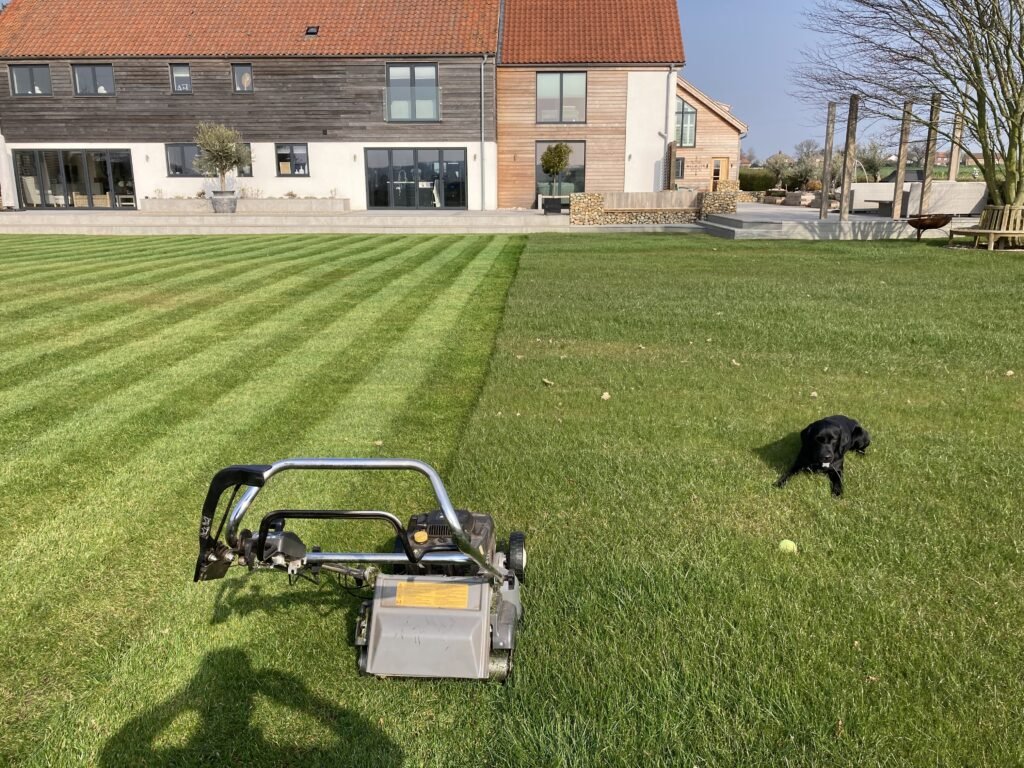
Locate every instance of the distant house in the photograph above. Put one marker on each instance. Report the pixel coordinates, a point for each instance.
(706, 144)
(598, 75)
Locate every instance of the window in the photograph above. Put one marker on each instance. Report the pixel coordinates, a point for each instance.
(561, 97)
(241, 76)
(292, 159)
(412, 93)
(680, 168)
(571, 179)
(686, 124)
(181, 159)
(31, 80)
(181, 78)
(93, 79)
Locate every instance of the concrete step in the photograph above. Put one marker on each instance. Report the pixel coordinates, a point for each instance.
(735, 222)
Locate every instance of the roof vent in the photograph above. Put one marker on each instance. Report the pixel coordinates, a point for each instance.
(312, 31)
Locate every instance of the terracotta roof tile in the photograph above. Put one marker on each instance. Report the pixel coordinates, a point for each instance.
(108, 28)
(591, 32)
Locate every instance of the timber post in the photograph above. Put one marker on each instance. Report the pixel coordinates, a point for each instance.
(929, 152)
(901, 160)
(954, 148)
(850, 158)
(826, 170)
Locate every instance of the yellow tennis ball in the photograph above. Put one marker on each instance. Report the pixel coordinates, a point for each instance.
(787, 546)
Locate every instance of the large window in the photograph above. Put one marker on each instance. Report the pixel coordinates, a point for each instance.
(181, 161)
(181, 78)
(292, 159)
(571, 179)
(413, 94)
(561, 97)
(30, 80)
(93, 79)
(416, 178)
(686, 124)
(241, 78)
(74, 178)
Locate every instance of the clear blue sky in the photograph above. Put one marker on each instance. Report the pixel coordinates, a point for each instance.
(742, 52)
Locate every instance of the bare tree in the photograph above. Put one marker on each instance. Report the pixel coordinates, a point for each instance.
(970, 51)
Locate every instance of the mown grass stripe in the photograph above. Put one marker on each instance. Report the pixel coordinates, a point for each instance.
(106, 328)
(44, 251)
(56, 293)
(413, 334)
(298, 297)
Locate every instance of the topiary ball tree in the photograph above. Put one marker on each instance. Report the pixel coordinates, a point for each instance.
(554, 161)
(220, 150)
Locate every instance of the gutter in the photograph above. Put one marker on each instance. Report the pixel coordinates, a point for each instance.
(483, 137)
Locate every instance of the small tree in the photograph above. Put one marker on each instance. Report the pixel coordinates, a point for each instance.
(554, 161)
(872, 158)
(779, 164)
(221, 151)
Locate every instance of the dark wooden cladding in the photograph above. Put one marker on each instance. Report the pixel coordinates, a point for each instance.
(297, 99)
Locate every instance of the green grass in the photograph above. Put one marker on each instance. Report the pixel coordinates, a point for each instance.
(663, 627)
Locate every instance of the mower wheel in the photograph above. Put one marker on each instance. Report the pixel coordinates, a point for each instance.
(517, 554)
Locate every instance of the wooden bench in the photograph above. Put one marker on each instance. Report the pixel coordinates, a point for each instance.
(998, 222)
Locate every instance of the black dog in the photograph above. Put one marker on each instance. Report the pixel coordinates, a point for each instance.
(822, 447)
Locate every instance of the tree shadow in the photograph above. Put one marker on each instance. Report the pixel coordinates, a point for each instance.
(223, 698)
(780, 454)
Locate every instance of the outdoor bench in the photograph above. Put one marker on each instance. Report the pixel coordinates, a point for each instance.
(998, 222)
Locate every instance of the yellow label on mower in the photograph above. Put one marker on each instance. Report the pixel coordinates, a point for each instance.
(423, 594)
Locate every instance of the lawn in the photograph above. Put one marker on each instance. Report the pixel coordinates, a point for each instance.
(663, 626)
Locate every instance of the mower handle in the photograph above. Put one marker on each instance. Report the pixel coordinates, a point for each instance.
(256, 476)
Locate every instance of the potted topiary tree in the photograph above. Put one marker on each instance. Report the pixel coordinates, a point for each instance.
(220, 151)
(553, 163)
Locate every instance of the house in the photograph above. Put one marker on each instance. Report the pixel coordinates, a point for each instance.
(389, 104)
(422, 104)
(706, 142)
(597, 75)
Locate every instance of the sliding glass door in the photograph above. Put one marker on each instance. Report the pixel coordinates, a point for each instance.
(416, 178)
(74, 178)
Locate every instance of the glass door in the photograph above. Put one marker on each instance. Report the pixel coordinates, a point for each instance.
(416, 178)
(404, 178)
(455, 178)
(26, 166)
(77, 179)
(122, 180)
(99, 180)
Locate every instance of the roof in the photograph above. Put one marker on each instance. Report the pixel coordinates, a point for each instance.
(720, 109)
(591, 32)
(123, 28)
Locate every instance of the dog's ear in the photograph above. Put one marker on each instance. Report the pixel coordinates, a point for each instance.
(844, 441)
(861, 438)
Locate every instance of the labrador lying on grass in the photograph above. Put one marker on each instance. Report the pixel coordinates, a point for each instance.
(823, 445)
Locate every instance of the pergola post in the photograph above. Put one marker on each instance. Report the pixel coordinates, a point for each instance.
(826, 171)
(901, 160)
(954, 149)
(850, 158)
(929, 152)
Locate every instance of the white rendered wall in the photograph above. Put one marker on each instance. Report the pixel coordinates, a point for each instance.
(648, 95)
(10, 194)
(337, 169)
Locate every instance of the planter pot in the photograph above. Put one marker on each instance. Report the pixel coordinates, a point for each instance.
(224, 202)
(552, 205)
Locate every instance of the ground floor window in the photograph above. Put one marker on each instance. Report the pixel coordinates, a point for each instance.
(571, 179)
(416, 178)
(292, 159)
(75, 178)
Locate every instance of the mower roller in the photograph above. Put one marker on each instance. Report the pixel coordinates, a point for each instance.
(445, 600)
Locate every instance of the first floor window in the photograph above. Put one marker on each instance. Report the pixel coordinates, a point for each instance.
(686, 124)
(94, 79)
(292, 159)
(31, 80)
(413, 93)
(561, 97)
(241, 76)
(181, 161)
(181, 78)
(571, 179)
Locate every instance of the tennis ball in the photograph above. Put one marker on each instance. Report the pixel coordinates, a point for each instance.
(787, 546)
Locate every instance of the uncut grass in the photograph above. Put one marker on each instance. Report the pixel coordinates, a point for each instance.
(341, 387)
(663, 627)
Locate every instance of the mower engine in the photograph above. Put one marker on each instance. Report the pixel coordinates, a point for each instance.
(445, 601)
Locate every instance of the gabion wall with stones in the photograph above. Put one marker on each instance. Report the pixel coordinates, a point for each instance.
(587, 209)
(718, 203)
(750, 197)
(728, 185)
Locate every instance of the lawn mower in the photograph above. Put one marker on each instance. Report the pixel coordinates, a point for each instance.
(445, 601)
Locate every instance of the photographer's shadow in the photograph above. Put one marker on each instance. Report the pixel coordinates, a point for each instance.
(223, 696)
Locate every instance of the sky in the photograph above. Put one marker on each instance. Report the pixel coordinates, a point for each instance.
(742, 52)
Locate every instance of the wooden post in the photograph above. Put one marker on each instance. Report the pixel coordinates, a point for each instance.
(929, 152)
(850, 158)
(901, 160)
(826, 171)
(954, 148)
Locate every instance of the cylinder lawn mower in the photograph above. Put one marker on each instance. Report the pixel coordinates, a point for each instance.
(445, 600)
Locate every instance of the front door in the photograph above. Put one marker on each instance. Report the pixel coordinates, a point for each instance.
(719, 171)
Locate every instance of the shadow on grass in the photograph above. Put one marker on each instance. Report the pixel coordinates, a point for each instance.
(223, 698)
(780, 454)
(242, 596)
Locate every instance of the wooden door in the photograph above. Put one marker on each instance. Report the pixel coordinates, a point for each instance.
(719, 171)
